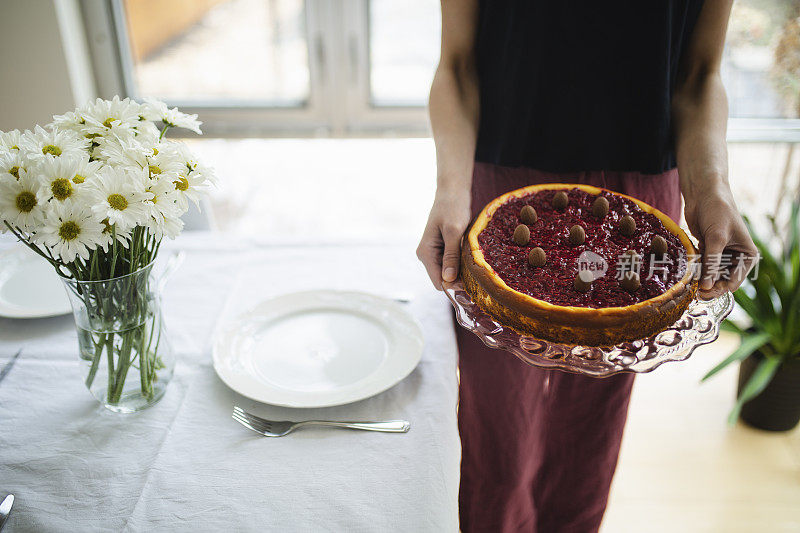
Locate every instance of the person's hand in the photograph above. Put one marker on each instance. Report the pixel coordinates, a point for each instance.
(713, 218)
(440, 246)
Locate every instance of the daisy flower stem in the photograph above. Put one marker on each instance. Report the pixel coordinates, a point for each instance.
(124, 363)
(111, 373)
(98, 352)
(144, 372)
(134, 247)
(18, 233)
(93, 268)
(113, 250)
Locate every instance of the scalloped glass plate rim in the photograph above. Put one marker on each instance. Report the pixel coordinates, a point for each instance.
(698, 325)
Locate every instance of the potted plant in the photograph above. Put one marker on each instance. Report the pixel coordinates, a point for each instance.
(768, 394)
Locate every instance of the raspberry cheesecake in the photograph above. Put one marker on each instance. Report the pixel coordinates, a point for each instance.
(577, 264)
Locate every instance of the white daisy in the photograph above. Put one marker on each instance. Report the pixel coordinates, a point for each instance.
(194, 179)
(19, 205)
(182, 153)
(147, 134)
(57, 178)
(11, 164)
(107, 238)
(10, 140)
(70, 120)
(156, 110)
(85, 170)
(165, 211)
(166, 161)
(118, 196)
(122, 151)
(103, 116)
(42, 144)
(69, 231)
(190, 186)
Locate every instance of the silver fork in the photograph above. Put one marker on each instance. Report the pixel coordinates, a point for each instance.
(272, 428)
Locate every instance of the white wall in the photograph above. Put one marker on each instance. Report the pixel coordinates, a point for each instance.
(44, 63)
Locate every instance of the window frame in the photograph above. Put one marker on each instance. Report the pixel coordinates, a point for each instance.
(340, 103)
(364, 116)
(763, 130)
(338, 58)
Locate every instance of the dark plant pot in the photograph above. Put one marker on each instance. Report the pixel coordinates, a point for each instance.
(777, 408)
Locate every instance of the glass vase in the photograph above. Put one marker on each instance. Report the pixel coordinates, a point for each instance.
(122, 339)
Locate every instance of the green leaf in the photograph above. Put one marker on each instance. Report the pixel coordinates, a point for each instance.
(792, 319)
(773, 223)
(769, 265)
(778, 275)
(749, 344)
(794, 231)
(758, 381)
(727, 325)
(771, 324)
(763, 295)
(792, 255)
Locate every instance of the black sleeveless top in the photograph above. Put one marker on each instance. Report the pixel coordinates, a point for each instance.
(570, 85)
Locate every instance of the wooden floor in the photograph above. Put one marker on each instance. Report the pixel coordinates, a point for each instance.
(683, 469)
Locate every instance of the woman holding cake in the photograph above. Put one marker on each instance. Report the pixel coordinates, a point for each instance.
(624, 96)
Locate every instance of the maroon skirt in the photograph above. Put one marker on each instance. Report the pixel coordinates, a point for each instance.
(539, 447)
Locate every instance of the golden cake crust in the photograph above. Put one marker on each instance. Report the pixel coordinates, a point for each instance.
(566, 324)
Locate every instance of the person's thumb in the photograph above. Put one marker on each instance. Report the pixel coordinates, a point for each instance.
(452, 252)
(714, 242)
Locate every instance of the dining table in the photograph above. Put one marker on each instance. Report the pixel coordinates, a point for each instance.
(184, 464)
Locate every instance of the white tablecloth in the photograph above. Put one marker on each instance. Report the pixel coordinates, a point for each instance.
(184, 464)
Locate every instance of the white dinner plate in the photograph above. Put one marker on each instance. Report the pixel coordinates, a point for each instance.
(317, 348)
(29, 286)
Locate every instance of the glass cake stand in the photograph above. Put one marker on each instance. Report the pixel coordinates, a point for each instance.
(698, 325)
